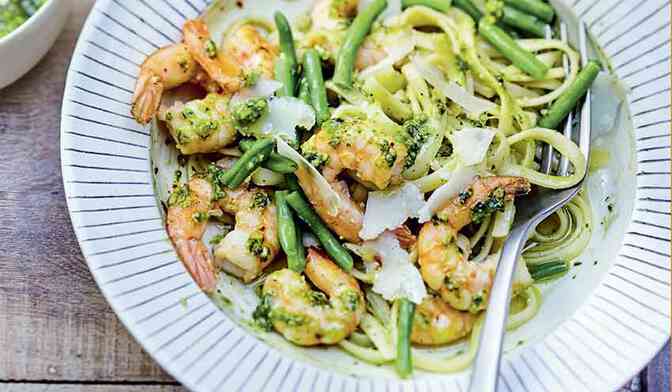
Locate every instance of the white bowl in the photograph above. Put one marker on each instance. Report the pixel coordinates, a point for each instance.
(21, 49)
(593, 333)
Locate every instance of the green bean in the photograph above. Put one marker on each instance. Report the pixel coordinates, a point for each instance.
(568, 99)
(329, 242)
(275, 161)
(249, 162)
(287, 234)
(521, 58)
(465, 5)
(469, 7)
(523, 22)
(300, 249)
(312, 68)
(404, 360)
(358, 30)
(304, 91)
(284, 74)
(548, 270)
(537, 8)
(245, 144)
(292, 183)
(290, 71)
(280, 164)
(439, 5)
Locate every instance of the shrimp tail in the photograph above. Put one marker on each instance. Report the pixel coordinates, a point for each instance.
(196, 259)
(405, 236)
(513, 186)
(458, 212)
(146, 97)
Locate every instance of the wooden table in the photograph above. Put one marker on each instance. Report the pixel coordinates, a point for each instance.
(56, 330)
(57, 333)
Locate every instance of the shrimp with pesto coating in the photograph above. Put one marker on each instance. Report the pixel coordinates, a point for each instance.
(243, 252)
(437, 323)
(200, 125)
(252, 51)
(217, 64)
(307, 317)
(253, 243)
(163, 70)
(461, 283)
(370, 155)
(187, 215)
(195, 60)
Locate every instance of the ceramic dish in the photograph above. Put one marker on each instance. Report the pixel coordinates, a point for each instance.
(21, 49)
(597, 327)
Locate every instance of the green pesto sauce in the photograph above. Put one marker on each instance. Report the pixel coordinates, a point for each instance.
(13, 13)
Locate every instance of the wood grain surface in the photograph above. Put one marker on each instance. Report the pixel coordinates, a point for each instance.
(23, 387)
(57, 333)
(54, 323)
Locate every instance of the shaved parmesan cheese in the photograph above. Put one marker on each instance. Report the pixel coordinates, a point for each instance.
(263, 88)
(458, 181)
(398, 277)
(471, 144)
(387, 210)
(283, 116)
(453, 91)
(333, 200)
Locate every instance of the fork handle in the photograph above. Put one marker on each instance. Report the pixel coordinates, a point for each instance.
(486, 366)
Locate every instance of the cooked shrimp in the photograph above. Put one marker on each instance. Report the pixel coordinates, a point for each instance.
(467, 287)
(436, 323)
(253, 243)
(344, 218)
(306, 317)
(370, 53)
(437, 253)
(197, 60)
(461, 283)
(164, 69)
(460, 211)
(188, 208)
(244, 252)
(251, 50)
(371, 156)
(217, 64)
(201, 125)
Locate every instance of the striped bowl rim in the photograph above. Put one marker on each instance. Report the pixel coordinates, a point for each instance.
(108, 185)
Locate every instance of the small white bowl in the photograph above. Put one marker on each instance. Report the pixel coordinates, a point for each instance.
(21, 49)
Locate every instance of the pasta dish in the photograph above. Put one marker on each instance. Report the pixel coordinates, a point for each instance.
(361, 164)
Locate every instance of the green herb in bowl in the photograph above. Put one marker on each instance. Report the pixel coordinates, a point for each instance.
(13, 13)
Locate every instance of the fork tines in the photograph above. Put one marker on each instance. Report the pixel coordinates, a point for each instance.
(551, 160)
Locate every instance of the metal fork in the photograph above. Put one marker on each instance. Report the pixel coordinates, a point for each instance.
(529, 214)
